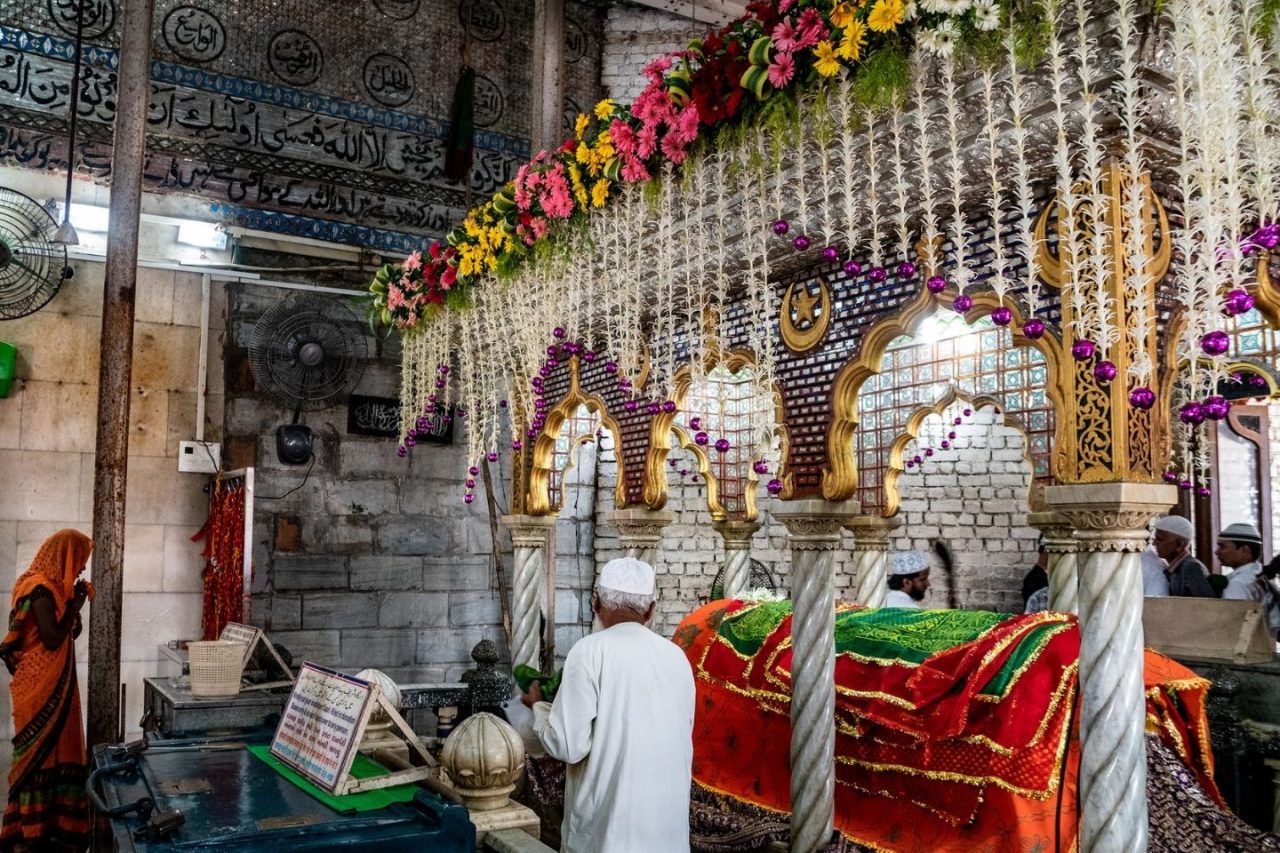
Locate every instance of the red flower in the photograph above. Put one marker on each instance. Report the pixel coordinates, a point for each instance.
(715, 88)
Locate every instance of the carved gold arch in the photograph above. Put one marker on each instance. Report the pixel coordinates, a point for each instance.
(892, 494)
(538, 496)
(840, 477)
(655, 480)
(1265, 297)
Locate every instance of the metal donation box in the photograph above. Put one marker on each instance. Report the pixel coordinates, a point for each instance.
(171, 710)
(211, 795)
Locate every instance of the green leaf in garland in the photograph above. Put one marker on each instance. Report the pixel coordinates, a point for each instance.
(679, 86)
(754, 80)
(759, 53)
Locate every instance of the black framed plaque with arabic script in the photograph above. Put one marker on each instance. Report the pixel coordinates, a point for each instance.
(381, 416)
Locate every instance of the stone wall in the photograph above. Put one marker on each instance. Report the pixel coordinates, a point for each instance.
(633, 36)
(47, 433)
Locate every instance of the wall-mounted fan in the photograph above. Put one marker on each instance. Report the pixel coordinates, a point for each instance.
(306, 352)
(32, 265)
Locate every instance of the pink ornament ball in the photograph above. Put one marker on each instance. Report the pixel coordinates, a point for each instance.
(1170, 477)
(760, 467)
(906, 269)
(1204, 491)
(963, 303)
(1002, 315)
(1269, 237)
(1083, 349)
(1142, 398)
(468, 498)
(431, 398)
(653, 408)
(878, 274)
(544, 371)
(1216, 407)
(1191, 413)
(801, 243)
(1257, 381)
(1104, 372)
(402, 451)
(702, 439)
(553, 350)
(936, 284)
(442, 369)
(1033, 329)
(669, 406)
(774, 487)
(781, 227)
(722, 445)
(492, 457)
(440, 383)
(1215, 343)
(830, 254)
(852, 268)
(516, 444)
(958, 421)
(695, 423)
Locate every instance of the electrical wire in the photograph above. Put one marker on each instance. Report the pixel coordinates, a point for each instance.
(295, 488)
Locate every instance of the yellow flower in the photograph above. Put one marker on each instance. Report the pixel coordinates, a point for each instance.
(604, 109)
(599, 193)
(605, 138)
(827, 64)
(579, 191)
(841, 15)
(886, 15)
(851, 45)
(580, 124)
(583, 153)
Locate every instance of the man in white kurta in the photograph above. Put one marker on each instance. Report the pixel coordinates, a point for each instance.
(908, 580)
(623, 722)
(1240, 549)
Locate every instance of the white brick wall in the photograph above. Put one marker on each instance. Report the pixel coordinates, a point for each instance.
(632, 37)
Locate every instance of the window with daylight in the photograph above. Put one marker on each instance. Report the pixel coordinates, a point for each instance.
(577, 429)
(974, 360)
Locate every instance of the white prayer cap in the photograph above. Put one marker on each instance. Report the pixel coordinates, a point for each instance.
(1178, 526)
(627, 574)
(907, 563)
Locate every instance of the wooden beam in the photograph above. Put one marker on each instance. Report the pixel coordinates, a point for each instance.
(713, 12)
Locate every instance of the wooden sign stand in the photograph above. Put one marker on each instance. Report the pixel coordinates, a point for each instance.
(252, 637)
(323, 723)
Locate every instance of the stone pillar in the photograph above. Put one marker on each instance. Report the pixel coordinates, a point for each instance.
(1061, 544)
(814, 528)
(737, 555)
(529, 542)
(641, 531)
(1110, 520)
(871, 550)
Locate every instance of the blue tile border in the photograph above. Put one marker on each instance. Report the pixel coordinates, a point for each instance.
(56, 47)
(319, 229)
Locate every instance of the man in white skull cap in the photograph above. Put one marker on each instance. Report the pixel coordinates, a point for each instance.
(623, 722)
(908, 579)
(1186, 575)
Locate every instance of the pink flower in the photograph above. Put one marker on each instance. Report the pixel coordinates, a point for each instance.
(539, 226)
(785, 37)
(674, 149)
(634, 171)
(624, 137)
(450, 276)
(784, 5)
(413, 262)
(781, 70)
(656, 67)
(647, 140)
(395, 297)
(812, 29)
(686, 127)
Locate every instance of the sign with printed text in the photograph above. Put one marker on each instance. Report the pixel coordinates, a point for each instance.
(381, 416)
(321, 726)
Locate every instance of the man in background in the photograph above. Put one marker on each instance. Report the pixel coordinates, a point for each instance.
(1186, 575)
(908, 580)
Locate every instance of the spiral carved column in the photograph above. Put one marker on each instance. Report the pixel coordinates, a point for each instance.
(737, 555)
(871, 550)
(529, 542)
(1110, 521)
(641, 531)
(814, 528)
(1062, 568)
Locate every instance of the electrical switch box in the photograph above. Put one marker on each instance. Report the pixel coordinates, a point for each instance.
(199, 457)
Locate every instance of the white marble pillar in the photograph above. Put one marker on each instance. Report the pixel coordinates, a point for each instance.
(871, 553)
(737, 555)
(529, 534)
(1110, 520)
(641, 531)
(1063, 565)
(814, 528)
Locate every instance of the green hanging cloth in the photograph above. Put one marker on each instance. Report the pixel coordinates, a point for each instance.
(459, 146)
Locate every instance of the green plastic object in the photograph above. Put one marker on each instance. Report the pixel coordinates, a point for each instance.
(526, 675)
(8, 357)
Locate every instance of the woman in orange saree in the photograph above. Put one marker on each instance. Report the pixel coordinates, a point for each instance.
(47, 809)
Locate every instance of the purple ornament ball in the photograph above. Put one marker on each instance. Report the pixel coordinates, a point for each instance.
(558, 332)
(473, 471)
(852, 268)
(878, 274)
(801, 242)
(431, 398)
(906, 269)
(492, 457)
(952, 435)
(968, 413)
(910, 463)
(684, 472)
(516, 444)
(653, 408)
(946, 445)
(410, 440)
(963, 303)
(1269, 238)
(1238, 301)
(1216, 407)
(723, 445)
(1257, 381)
(1033, 329)
(760, 467)
(1215, 343)
(1104, 371)
(421, 424)
(928, 451)
(443, 369)
(553, 350)
(695, 423)
(469, 483)
(1142, 398)
(1083, 349)
(701, 439)
(630, 405)
(402, 451)
(1002, 315)
(918, 459)
(611, 367)
(1191, 413)
(468, 498)
(774, 487)
(440, 383)
(958, 421)
(502, 404)
(588, 356)
(936, 284)
(830, 254)
(1186, 485)
(1170, 476)
(1204, 491)
(781, 227)
(669, 406)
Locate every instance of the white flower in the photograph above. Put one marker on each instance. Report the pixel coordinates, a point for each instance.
(943, 40)
(986, 14)
(936, 7)
(911, 11)
(958, 7)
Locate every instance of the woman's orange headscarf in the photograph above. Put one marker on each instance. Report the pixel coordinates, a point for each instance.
(56, 566)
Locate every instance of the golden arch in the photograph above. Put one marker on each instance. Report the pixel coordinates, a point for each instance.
(538, 494)
(655, 481)
(892, 492)
(840, 477)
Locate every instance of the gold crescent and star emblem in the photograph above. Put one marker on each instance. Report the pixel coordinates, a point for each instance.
(805, 314)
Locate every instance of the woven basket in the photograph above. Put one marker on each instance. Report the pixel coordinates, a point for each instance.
(216, 667)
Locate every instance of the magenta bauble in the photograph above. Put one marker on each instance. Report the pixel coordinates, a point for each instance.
(1191, 413)
(952, 435)
(669, 406)
(957, 421)
(801, 242)
(1236, 302)
(878, 274)
(917, 459)
(830, 254)
(1216, 407)
(684, 472)
(1033, 329)
(1104, 371)
(1002, 315)
(906, 269)
(492, 457)
(653, 408)
(1257, 381)
(781, 227)
(443, 369)
(1204, 491)
(963, 303)
(630, 405)
(1142, 398)
(852, 268)
(558, 332)
(1083, 349)
(440, 383)
(502, 404)
(760, 466)
(516, 444)
(1215, 343)
(1170, 476)
(946, 445)
(936, 284)
(468, 498)
(968, 413)
(410, 440)
(701, 439)
(722, 445)
(469, 483)
(422, 424)
(588, 356)
(473, 471)
(928, 451)
(695, 423)
(671, 462)
(611, 367)
(774, 487)
(1186, 485)
(402, 451)
(910, 463)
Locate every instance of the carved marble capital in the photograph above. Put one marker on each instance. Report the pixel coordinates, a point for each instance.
(871, 532)
(1110, 517)
(529, 531)
(814, 525)
(1057, 529)
(641, 528)
(737, 534)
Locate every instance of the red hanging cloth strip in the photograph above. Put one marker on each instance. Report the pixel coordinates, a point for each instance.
(223, 573)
